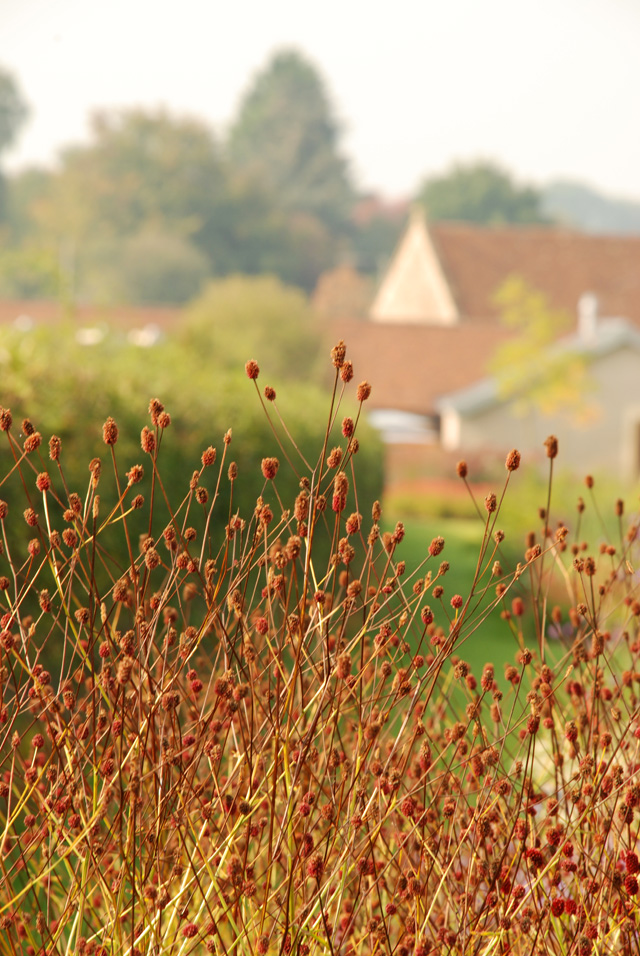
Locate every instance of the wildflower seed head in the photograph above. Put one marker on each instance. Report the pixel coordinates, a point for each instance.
(110, 432)
(43, 481)
(135, 474)
(270, 468)
(346, 371)
(270, 393)
(55, 447)
(208, 456)
(376, 511)
(436, 547)
(252, 369)
(462, 469)
(589, 482)
(363, 391)
(6, 419)
(32, 442)
(164, 420)
(551, 444)
(148, 440)
(155, 409)
(490, 503)
(347, 427)
(334, 458)
(233, 471)
(338, 353)
(315, 867)
(513, 460)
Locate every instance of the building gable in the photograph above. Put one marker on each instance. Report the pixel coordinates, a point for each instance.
(414, 289)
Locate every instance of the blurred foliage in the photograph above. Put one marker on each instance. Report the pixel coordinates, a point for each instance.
(479, 192)
(286, 135)
(529, 369)
(69, 389)
(13, 109)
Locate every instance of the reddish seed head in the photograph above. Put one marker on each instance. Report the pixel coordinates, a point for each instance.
(43, 481)
(513, 460)
(164, 420)
(363, 392)
(315, 867)
(110, 432)
(551, 444)
(208, 456)
(517, 606)
(190, 930)
(427, 615)
(252, 369)
(270, 393)
(32, 442)
(456, 601)
(347, 427)
(346, 371)
(148, 440)
(338, 353)
(135, 474)
(155, 408)
(270, 468)
(6, 419)
(490, 503)
(55, 447)
(436, 547)
(589, 481)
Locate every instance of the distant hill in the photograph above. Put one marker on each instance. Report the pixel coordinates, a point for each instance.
(584, 208)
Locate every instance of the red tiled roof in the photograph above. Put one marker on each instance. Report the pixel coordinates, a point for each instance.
(411, 366)
(125, 317)
(558, 262)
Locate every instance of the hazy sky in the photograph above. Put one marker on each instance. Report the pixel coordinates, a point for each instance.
(548, 88)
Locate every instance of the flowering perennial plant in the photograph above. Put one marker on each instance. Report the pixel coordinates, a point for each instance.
(228, 743)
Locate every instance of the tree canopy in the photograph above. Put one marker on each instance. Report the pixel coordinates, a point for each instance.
(479, 192)
(13, 109)
(286, 135)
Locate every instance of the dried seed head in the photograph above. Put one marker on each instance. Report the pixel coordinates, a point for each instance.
(551, 444)
(461, 469)
(270, 393)
(164, 420)
(155, 408)
(252, 369)
(135, 474)
(346, 371)
(338, 353)
(110, 432)
(513, 460)
(6, 419)
(270, 468)
(334, 458)
(43, 481)
(208, 456)
(363, 391)
(32, 442)
(490, 503)
(55, 447)
(436, 546)
(148, 440)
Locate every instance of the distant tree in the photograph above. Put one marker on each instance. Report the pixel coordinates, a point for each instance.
(158, 267)
(286, 135)
(13, 109)
(479, 192)
(13, 113)
(141, 169)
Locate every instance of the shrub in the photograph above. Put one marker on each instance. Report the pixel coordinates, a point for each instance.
(238, 745)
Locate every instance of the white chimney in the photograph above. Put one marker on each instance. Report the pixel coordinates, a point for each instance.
(587, 317)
